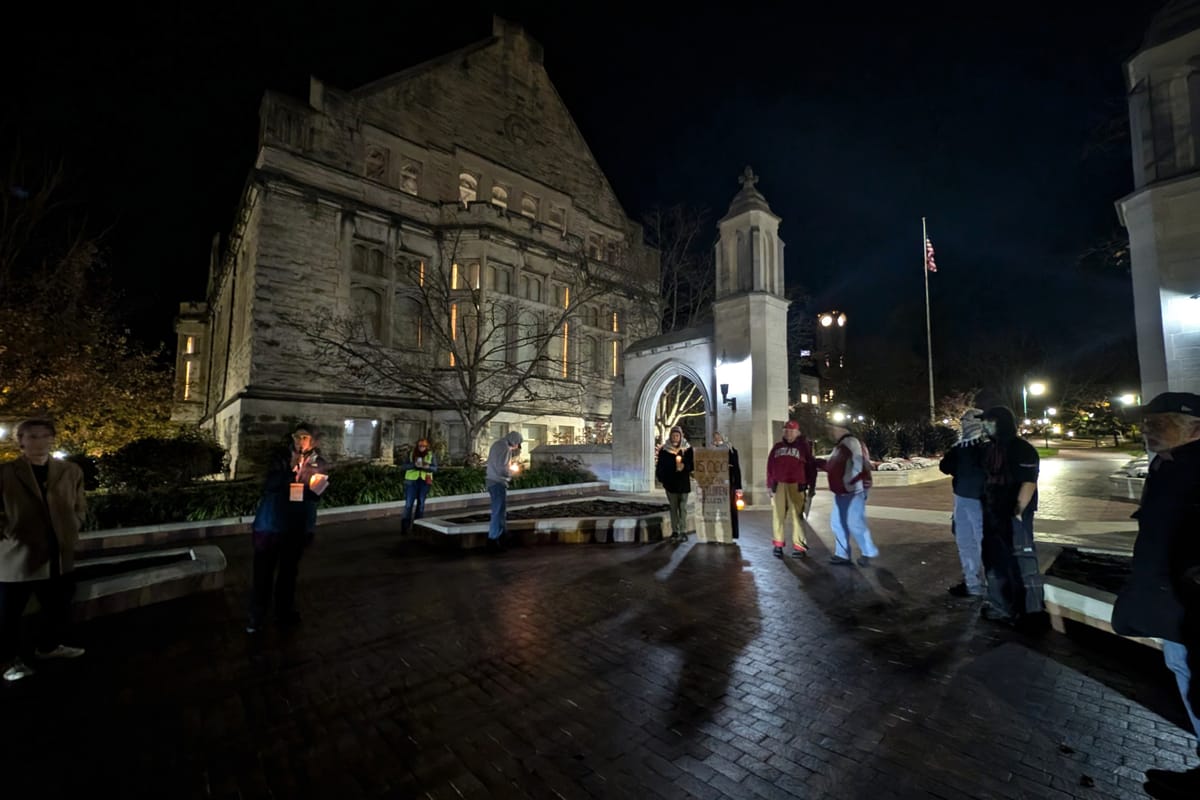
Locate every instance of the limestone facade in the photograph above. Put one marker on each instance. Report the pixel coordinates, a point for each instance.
(1162, 214)
(475, 145)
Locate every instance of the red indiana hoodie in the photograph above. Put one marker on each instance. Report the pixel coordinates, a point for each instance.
(791, 462)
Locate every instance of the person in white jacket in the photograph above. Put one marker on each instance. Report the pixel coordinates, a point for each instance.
(849, 470)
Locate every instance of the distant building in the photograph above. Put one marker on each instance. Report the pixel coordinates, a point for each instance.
(1162, 214)
(346, 186)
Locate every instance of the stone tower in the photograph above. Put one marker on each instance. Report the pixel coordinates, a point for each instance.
(750, 332)
(1162, 214)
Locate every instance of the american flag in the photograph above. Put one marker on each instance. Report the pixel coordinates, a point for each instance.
(930, 264)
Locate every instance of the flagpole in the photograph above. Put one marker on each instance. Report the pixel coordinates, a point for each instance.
(928, 325)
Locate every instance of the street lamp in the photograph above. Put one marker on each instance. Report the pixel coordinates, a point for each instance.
(1128, 399)
(1037, 389)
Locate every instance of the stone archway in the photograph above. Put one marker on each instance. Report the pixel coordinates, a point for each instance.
(648, 370)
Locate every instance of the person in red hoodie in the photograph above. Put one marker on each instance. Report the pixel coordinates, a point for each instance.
(791, 482)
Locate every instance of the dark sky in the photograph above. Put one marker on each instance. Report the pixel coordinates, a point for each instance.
(858, 123)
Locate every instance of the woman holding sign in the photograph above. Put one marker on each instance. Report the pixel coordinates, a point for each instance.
(284, 525)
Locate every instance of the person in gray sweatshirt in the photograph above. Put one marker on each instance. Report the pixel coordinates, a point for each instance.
(501, 456)
(964, 462)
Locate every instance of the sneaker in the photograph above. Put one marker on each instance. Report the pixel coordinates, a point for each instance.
(800, 552)
(495, 546)
(62, 651)
(992, 614)
(959, 590)
(252, 628)
(17, 671)
(839, 560)
(777, 552)
(864, 561)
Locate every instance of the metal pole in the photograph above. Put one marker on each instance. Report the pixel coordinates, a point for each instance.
(928, 325)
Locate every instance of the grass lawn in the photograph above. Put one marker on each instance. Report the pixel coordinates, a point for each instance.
(1047, 452)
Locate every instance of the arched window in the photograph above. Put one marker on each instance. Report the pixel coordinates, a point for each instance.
(468, 188)
(588, 362)
(368, 307)
(527, 337)
(529, 206)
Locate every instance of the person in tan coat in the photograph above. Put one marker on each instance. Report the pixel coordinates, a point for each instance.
(42, 507)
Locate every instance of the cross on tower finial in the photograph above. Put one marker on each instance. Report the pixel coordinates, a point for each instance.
(748, 179)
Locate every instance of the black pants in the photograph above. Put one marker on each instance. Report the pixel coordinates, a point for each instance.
(53, 594)
(276, 564)
(1006, 590)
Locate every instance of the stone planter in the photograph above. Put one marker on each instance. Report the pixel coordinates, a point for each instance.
(1082, 585)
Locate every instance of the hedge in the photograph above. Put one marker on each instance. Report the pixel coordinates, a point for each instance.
(350, 485)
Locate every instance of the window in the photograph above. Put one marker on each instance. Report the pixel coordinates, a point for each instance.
(367, 259)
(591, 316)
(816, 400)
(465, 276)
(410, 176)
(804, 397)
(468, 188)
(613, 253)
(533, 435)
(189, 345)
(587, 356)
(500, 195)
(565, 434)
(368, 307)
(497, 430)
(595, 245)
(375, 164)
(189, 378)
(529, 206)
(499, 279)
(408, 322)
(360, 438)
(527, 340)
(531, 288)
(557, 217)
(562, 295)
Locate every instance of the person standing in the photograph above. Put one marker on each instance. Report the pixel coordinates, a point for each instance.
(284, 525)
(502, 457)
(42, 507)
(1010, 497)
(418, 477)
(735, 480)
(791, 483)
(1161, 599)
(676, 463)
(849, 470)
(964, 463)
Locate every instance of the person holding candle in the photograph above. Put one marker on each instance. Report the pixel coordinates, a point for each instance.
(676, 462)
(284, 525)
(735, 480)
(502, 467)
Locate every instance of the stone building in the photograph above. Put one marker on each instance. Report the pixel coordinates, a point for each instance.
(1162, 214)
(346, 188)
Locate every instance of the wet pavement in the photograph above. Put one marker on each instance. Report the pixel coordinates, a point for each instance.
(580, 671)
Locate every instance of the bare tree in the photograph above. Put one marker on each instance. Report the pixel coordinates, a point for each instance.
(1110, 253)
(687, 272)
(478, 350)
(680, 399)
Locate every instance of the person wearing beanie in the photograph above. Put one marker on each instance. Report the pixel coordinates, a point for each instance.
(501, 466)
(1014, 583)
(791, 482)
(674, 468)
(964, 463)
(284, 525)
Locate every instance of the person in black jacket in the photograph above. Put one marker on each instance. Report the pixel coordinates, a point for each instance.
(284, 526)
(1161, 599)
(676, 462)
(964, 462)
(1014, 587)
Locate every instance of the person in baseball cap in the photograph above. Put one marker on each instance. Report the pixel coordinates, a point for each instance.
(1161, 599)
(791, 481)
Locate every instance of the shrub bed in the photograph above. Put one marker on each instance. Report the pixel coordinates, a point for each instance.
(350, 485)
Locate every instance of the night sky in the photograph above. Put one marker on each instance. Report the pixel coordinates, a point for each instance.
(858, 124)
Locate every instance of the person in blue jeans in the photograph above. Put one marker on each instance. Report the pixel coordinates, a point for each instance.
(418, 477)
(1161, 599)
(849, 471)
(964, 463)
(501, 458)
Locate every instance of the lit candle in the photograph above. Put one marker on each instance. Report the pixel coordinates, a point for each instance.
(678, 459)
(514, 467)
(739, 501)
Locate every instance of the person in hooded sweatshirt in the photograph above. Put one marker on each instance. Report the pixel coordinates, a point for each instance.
(501, 457)
(1009, 500)
(964, 463)
(676, 463)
